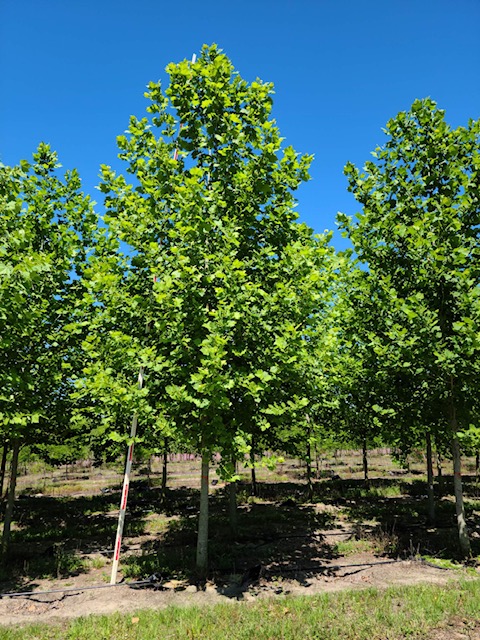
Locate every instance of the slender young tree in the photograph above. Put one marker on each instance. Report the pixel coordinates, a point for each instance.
(216, 292)
(418, 234)
(45, 229)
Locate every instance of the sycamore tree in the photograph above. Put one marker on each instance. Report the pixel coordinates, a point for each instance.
(46, 224)
(205, 277)
(360, 380)
(380, 397)
(418, 233)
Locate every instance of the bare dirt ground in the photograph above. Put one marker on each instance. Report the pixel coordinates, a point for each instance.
(358, 571)
(457, 630)
(297, 544)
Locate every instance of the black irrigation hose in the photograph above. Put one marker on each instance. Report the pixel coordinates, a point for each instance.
(153, 580)
(74, 589)
(335, 567)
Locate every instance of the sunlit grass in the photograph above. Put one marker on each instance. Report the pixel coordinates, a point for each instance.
(371, 614)
(352, 546)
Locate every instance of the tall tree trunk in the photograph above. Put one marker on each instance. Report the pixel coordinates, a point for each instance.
(430, 490)
(477, 464)
(232, 508)
(3, 467)
(254, 490)
(439, 466)
(7, 523)
(164, 469)
(309, 470)
(459, 507)
(438, 460)
(365, 460)
(232, 502)
(254, 476)
(457, 479)
(149, 471)
(202, 538)
(439, 469)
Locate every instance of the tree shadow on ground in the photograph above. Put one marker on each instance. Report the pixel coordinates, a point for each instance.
(51, 535)
(398, 524)
(280, 530)
(77, 521)
(280, 534)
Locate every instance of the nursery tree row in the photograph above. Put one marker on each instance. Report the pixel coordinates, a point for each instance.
(251, 332)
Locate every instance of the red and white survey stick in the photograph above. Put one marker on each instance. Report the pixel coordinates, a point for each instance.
(126, 484)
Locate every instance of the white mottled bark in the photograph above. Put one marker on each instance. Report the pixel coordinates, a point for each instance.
(430, 490)
(202, 537)
(459, 507)
(7, 523)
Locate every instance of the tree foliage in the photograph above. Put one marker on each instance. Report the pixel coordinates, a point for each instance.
(46, 226)
(46, 229)
(218, 269)
(205, 275)
(419, 235)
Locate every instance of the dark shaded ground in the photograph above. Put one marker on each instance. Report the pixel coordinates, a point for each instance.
(351, 535)
(279, 529)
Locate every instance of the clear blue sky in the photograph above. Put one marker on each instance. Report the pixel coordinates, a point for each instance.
(74, 71)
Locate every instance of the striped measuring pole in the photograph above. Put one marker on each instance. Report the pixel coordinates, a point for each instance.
(126, 484)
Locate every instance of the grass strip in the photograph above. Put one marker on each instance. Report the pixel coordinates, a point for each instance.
(370, 614)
